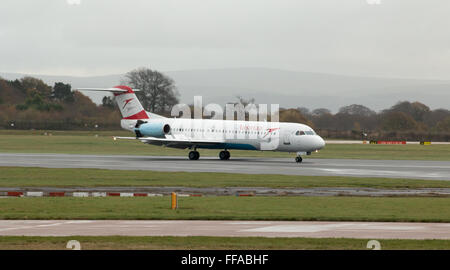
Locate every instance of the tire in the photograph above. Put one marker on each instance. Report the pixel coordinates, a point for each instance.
(193, 155)
(228, 155)
(298, 159)
(223, 155)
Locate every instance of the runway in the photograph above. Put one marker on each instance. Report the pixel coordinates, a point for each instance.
(431, 170)
(365, 230)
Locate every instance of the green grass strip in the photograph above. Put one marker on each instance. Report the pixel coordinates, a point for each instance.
(72, 142)
(231, 208)
(46, 177)
(212, 243)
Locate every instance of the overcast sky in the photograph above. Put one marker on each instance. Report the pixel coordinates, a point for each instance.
(397, 38)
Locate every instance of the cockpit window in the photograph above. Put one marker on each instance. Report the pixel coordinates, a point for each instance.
(310, 132)
(299, 133)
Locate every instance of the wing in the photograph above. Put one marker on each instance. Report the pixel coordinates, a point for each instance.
(176, 142)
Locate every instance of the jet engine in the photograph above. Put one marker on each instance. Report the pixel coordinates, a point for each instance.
(145, 129)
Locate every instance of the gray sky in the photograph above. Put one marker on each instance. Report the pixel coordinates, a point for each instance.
(398, 38)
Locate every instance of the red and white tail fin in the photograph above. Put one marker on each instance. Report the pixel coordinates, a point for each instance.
(129, 105)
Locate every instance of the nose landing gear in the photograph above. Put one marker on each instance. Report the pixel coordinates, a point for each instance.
(298, 159)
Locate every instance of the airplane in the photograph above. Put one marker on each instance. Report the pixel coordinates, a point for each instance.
(193, 134)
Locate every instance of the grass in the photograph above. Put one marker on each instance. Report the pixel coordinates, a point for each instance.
(80, 142)
(45, 177)
(212, 243)
(231, 208)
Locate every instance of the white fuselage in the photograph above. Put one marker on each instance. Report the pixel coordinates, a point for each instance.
(245, 135)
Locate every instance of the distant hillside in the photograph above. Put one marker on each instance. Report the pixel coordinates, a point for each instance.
(287, 88)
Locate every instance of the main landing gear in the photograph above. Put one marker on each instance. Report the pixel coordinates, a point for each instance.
(224, 155)
(194, 155)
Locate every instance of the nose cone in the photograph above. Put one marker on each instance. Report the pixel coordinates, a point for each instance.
(320, 143)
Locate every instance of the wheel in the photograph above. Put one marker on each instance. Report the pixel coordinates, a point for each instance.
(194, 155)
(224, 155)
(298, 159)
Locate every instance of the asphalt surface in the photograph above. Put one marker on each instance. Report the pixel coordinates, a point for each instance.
(366, 230)
(431, 170)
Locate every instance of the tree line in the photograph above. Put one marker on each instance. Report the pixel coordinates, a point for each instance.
(29, 103)
(403, 121)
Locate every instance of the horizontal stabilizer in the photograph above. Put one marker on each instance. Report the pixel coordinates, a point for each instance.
(112, 90)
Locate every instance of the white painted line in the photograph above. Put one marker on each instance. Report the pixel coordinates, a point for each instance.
(80, 194)
(35, 194)
(122, 194)
(98, 194)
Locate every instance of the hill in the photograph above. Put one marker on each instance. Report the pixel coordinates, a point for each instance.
(290, 89)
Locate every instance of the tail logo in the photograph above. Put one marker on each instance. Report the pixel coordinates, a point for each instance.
(126, 102)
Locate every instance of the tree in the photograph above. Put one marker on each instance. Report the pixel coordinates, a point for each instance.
(304, 111)
(293, 116)
(108, 102)
(444, 125)
(416, 109)
(31, 84)
(398, 121)
(244, 101)
(320, 112)
(158, 92)
(356, 109)
(63, 92)
(433, 117)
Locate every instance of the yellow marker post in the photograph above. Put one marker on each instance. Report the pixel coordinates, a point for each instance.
(174, 201)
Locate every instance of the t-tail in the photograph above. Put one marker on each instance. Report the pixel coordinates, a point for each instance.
(127, 101)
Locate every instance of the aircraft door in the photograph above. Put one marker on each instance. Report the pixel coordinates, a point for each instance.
(287, 139)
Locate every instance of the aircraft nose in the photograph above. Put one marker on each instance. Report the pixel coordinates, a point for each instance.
(320, 143)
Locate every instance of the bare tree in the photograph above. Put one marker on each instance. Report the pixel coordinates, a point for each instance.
(320, 112)
(158, 92)
(358, 110)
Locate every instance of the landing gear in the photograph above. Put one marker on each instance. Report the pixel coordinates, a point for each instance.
(194, 155)
(224, 155)
(298, 159)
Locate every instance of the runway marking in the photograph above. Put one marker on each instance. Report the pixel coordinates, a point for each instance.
(46, 225)
(382, 173)
(295, 228)
(329, 227)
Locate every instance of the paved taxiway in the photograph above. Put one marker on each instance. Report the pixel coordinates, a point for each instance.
(432, 170)
(369, 230)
